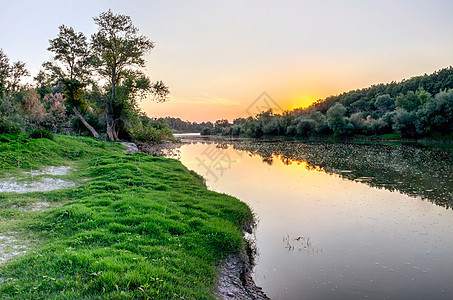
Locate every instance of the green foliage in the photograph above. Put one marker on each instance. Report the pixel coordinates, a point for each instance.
(206, 131)
(10, 75)
(118, 53)
(142, 227)
(436, 116)
(305, 127)
(41, 133)
(4, 71)
(9, 126)
(337, 120)
(432, 83)
(408, 102)
(423, 96)
(180, 126)
(10, 119)
(92, 119)
(144, 129)
(71, 56)
(406, 123)
(384, 103)
(408, 108)
(74, 91)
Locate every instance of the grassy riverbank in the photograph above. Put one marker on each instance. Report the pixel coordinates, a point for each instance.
(135, 227)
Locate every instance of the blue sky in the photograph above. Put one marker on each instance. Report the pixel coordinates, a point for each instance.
(218, 56)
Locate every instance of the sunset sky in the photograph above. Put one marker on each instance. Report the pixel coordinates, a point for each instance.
(218, 57)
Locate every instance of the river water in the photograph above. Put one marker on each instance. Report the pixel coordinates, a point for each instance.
(340, 220)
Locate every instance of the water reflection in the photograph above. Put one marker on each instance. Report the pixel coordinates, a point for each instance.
(324, 232)
(414, 170)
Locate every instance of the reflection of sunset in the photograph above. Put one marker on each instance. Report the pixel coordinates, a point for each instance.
(361, 237)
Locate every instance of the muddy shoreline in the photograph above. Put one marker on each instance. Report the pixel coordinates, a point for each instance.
(235, 280)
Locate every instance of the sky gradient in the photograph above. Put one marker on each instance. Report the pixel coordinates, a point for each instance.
(218, 57)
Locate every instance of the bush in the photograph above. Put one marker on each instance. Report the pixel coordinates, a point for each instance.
(236, 130)
(384, 103)
(144, 129)
(305, 127)
(9, 126)
(92, 119)
(376, 127)
(437, 115)
(291, 130)
(41, 133)
(358, 122)
(406, 123)
(205, 131)
(337, 121)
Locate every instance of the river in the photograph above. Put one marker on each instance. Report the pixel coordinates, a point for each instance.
(339, 220)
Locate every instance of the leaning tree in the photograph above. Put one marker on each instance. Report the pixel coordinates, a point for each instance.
(71, 66)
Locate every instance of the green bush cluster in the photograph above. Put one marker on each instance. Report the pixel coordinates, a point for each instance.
(419, 107)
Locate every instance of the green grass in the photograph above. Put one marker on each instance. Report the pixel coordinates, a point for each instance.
(140, 227)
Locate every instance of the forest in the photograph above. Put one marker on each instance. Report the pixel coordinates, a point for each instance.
(89, 86)
(419, 107)
(180, 126)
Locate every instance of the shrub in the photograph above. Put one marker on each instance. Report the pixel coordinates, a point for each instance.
(41, 133)
(305, 127)
(406, 123)
(337, 121)
(384, 103)
(291, 130)
(144, 129)
(236, 130)
(205, 131)
(9, 126)
(358, 122)
(437, 115)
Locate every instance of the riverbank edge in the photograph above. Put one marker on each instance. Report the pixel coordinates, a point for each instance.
(235, 279)
(239, 261)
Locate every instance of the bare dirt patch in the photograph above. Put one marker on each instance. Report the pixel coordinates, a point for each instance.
(61, 170)
(10, 246)
(11, 243)
(38, 182)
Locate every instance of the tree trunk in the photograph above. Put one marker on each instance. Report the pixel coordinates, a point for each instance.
(88, 126)
(109, 110)
(115, 130)
(109, 124)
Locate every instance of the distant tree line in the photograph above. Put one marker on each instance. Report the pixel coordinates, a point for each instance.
(180, 126)
(89, 86)
(419, 107)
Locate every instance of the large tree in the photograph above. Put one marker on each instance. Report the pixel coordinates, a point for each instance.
(16, 72)
(11, 74)
(119, 53)
(71, 67)
(4, 72)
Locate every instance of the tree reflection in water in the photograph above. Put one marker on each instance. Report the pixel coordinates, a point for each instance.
(411, 169)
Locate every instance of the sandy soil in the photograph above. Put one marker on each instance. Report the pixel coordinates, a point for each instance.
(38, 184)
(10, 245)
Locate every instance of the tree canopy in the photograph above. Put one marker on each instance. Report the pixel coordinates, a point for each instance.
(101, 81)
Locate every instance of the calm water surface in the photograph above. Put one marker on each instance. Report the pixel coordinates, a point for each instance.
(340, 221)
